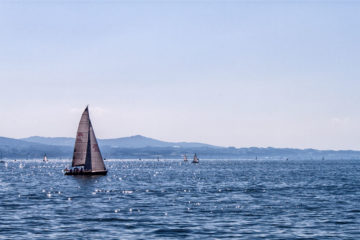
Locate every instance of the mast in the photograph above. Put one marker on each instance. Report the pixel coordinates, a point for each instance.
(88, 165)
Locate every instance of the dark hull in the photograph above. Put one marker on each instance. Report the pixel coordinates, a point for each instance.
(87, 173)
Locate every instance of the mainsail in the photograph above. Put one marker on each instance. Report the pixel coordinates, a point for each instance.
(86, 151)
(82, 138)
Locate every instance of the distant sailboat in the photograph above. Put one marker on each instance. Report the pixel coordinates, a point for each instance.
(196, 159)
(185, 158)
(87, 159)
(45, 159)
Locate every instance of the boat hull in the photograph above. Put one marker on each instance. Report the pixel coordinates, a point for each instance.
(86, 173)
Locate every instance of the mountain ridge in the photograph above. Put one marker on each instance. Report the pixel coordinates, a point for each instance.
(143, 147)
(135, 141)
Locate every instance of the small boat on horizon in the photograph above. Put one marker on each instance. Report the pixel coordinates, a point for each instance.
(196, 159)
(185, 158)
(45, 159)
(87, 159)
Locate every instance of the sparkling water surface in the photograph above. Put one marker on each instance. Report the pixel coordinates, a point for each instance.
(168, 199)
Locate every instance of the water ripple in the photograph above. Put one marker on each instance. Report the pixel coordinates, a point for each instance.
(216, 199)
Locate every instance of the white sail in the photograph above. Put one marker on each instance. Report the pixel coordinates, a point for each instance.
(45, 158)
(81, 142)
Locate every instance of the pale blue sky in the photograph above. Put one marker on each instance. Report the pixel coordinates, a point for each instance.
(229, 73)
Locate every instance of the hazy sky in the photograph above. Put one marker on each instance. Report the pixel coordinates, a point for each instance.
(229, 73)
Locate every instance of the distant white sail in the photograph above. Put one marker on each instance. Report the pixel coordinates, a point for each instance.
(185, 158)
(45, 158)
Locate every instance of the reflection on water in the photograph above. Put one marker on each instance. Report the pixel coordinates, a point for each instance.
(173, 199)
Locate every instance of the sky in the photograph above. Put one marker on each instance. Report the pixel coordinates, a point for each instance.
(228, 73)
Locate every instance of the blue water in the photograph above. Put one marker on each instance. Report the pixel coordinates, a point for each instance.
(216, 199)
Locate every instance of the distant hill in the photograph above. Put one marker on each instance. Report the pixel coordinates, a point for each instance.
(57, 141)
(144, 147)
(137, 141)
(14, 148)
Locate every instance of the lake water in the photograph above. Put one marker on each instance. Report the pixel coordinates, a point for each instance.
(167, 199)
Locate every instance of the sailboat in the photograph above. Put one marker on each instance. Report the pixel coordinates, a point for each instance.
(196, 159)
(185, 158)
(45, 158)
(87, 159)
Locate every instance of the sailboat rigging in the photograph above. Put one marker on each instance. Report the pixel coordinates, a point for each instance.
(87, 159)
(196, 159)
